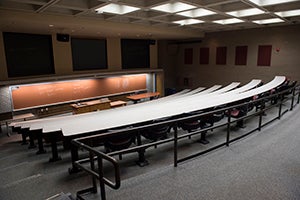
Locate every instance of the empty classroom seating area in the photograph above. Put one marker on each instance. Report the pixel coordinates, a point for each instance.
(149, 99)
(205, 119)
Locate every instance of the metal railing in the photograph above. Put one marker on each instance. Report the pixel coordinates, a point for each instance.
(98, 156)
(97, 172)
(295, 91)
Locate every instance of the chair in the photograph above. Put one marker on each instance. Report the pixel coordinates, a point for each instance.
(118, 142)
(285, 86)
(156, 133)
(190, 125)
(240, 112)
(202, 122)
(207, 121)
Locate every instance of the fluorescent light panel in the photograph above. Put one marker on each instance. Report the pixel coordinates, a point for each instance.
(188, 21)
(270, 2)
(116, 9)
(228, 21)
(200, 12)
(173, 7)
(246, 12)
(289, 13)
(268, 21)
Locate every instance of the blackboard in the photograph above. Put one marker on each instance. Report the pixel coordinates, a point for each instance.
(28, 96)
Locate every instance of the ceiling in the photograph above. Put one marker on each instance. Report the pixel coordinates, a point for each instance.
(79, 17)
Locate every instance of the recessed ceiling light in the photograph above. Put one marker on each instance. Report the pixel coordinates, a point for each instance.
(289, 13)
(51, 25)
(270, 2)
(188, 21)
(200, 12)
(228, 21)
(116, 9)
(246, 12)
(173, 7)
(268, 21)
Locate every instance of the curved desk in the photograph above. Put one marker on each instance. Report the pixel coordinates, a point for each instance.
(91, 123)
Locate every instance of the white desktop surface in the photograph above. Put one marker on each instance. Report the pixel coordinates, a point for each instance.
(123, 116)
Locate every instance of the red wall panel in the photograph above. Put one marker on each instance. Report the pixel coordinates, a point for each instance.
(241, 55)
(221, 55)
(188, 56)
(264, 55)
(204, 56)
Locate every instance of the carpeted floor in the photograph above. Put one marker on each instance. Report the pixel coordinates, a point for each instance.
(263, 166)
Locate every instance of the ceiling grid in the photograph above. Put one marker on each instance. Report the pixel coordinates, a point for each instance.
(195, 15)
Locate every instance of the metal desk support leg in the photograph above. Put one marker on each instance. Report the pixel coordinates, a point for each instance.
(142, 161)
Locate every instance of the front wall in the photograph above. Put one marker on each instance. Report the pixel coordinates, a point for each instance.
(62, 53)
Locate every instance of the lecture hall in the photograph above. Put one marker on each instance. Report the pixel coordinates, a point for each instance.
(149, 99)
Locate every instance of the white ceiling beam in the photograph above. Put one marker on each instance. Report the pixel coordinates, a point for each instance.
(47, 5)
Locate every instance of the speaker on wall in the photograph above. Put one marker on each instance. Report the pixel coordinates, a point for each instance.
(62, 37)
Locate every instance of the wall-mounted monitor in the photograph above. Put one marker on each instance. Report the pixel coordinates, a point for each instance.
(135, 53)
(28, 54)
(88, 54)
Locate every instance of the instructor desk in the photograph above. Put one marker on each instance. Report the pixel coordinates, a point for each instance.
(138, 97)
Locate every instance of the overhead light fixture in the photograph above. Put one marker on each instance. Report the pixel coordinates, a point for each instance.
(288, 13)
(228, 21)
(270, 2)
(268, 21)
(173, 7)
(116, 9)
(188, 22)
(246, 12)
(200, 12)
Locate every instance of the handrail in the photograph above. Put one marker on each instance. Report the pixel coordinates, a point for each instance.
(260, 113)
(99, 156)
(173, 122)
(98, 174)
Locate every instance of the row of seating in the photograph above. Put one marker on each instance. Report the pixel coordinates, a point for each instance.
(119, 142)
(76, 126)
(123, 141)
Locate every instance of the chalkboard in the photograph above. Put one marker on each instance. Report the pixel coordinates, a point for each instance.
(28, 96)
